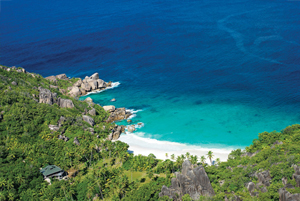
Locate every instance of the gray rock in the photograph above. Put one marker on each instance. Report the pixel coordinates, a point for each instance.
(276, 143)
(249, 154)
(61, 121)
(109, 108)
(284, 180)
(14, 83)
(194, 182)
(53, 127)
(76, 141)
(93, 84)
(284, 195)
(92, 112)
(75, 91)
(95, 76)
(62, 77)
(88, 119)
(78, 83)
(54, 87)
(51, 78)
(264, 177)
(101, 84)
(3, 68)
(89, 100)
(46, 96)
(296, 175)
(65, 103)
(85, 86)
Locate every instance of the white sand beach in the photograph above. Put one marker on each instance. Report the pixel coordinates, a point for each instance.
(145, 146)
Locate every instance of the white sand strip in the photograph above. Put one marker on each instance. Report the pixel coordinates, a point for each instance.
(145, 146)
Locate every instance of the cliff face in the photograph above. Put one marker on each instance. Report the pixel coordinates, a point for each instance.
(194, 182)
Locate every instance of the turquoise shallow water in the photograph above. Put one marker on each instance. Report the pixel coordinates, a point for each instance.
(211, 73)
(193, 121)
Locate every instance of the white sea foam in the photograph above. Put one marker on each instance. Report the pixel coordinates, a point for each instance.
(138, 144)
(113, 85)
(133, 112)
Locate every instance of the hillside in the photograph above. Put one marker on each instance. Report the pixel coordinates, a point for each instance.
(42, 124)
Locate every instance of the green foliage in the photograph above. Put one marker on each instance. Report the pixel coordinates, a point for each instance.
(97, 166)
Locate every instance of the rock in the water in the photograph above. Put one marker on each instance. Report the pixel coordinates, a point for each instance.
(62, 77)
(109, 108)
(93, 84)
(46, 96)
(92, 112)
(65, 103)
(51, 78)
(194, 182)
(14, 83)
(88, 99)
(95, 76)
(53, 127)
(131, 128)
(86, 87)
(76, 141)
(101, 83)
(75, 91)
(88, 119)
(113, 100)
(129, 121)
(284, 195)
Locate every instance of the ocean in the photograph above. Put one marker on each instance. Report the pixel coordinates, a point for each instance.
(205, 73)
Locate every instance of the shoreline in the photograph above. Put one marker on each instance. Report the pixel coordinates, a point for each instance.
(145, 146)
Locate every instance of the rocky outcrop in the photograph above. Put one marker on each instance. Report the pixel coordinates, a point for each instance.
(65, 103)
(194, 182)
(62, 77)
(130, 128)
(296, 175)
(264, 178)
(109, 108)
(51, 78)
(284, 195)
(116, 132)
(88, 119)
(249, 154)
(118, 115)
(46, 96)
(53, 127)
(76, 141)
(92, 112)
(75, 91)
(14, 83)
(276, 143)
(64, 138)
(88, 84)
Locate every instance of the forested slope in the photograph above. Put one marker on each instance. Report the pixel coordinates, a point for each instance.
(34, 135)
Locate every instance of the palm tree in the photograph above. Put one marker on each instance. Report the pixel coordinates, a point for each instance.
(172, 156)
(166, 155)
(210, 156)
(218, 161)
(187, 155)
(202, 159)
(194, 160)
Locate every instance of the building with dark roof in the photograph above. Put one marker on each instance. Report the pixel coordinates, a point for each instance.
(53, 171)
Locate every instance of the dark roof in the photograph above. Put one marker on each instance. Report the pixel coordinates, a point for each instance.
(50, 169)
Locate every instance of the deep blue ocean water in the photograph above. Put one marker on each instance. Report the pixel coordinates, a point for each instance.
(207, 72)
